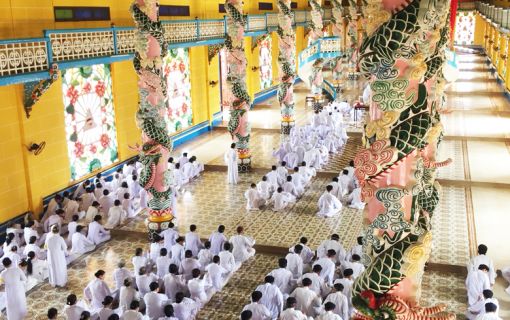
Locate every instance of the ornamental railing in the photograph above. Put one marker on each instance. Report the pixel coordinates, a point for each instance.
(23, 57)
(325, 48)
(497, 15)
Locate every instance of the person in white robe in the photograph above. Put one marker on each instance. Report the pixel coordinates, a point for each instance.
(355, 264)
(96, 291)
(154, 302)
(216, 274)
(259, 311)
(198, 288)
(328, 266)
(31, 246)
(162, 263)
(72, 208)
(332, 243)
(329, 205)
(329, 313)
(313, 157)
(292, 159)
(319, 286)
(155, 248)
(143, 199)
(345, 182)
(105, 202)
(192, 240)
(56, 256)
(71, 228)
(128, 298)
(173, 282)
(80, 244)
(290, 187)
(30, 230)
(56, 219)
(86, 199)
(53, 205)
(14, 281)
(134, 186)
(97, 233)
(169, 236)
(291, 313)
(139, 260)
(73, 310)
(106, 311)
(98, 190)
(205, 255)
(185, 308)
(143, 280)
(482, 258)
(295, 262)
(265, 189)
(120, 274)
(279, 153)
(340, 300)
(128, 206)
(242, 246)
(347, 282)
(217, 239)
(337, 189)
(273, 177)
(231, 162)
(254, 201)
(188, 264)
(198, 167)
(354, 199)
(227, 260)
(307, 301)
(280, 200)
(116, 215)
(476, 282)
(282, 172)
(178, 178)
(114, 184)
(131, 311)
(177, 251)
(479, 307)
(272, 297)
(490, 312)
(306, 253)
(283, 278)
(92, 212)
(188, 171)
(298, 180)
(13, 255)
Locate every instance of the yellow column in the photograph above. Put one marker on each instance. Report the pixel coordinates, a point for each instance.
(198, 69)
(479, 30)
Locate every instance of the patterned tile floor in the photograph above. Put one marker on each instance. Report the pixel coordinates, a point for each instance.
(451, 149)
(447, 288)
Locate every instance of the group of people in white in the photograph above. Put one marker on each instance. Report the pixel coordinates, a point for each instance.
(482, 305)
(170, 281)
(184, 170)
(309, 285)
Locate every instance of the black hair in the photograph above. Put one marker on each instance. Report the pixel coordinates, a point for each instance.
(256, 296)
(52, 313)
(282, 263)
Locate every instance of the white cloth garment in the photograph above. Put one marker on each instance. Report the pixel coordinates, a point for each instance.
(162, 264)
(283, 279)
(192, 242)
(204, 258)
(116, 216)
(476, 282)
(253, 199)
(217, 240)
(187, 266)
(119, 275)
(177, 253)
(173, 283)
(326, 245)
(139, 262)
(242, 247)
(73, 312)
(154, 303)
(479, 308)
(105, 202)
(169, 235)
(318, 284)
(91, 213)
(57, 250)
(95, 292)
(328, 269)
(476, 261)
(258, 310)
(272, 298)
(341, 304)
(293, 314)
(186, 310)
(329, 315)
(80, 244)
(227, 261)
(329, 205)
(307, 301)
(265, 189)
(294, 264)
(97, 233)
(216, 275)
(197, 290)
(143, 282)
(354, 200)
(280, 200)
(231, 162)
(16, 302)
(126, 296)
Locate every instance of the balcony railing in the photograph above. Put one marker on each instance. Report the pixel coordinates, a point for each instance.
(23, 57)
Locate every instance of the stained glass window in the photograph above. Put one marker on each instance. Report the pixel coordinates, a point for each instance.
(266, 69)
(89, 118)
(465, 28)
(179, 115)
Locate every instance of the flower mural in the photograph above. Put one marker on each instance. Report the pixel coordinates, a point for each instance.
(89, 119)
(266, 69)
(177, 74)
(465, 28)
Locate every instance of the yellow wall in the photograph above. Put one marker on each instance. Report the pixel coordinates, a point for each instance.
(479, 30)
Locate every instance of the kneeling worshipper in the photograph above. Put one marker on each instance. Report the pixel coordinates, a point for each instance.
(97, 233)
(80, 244)
(354, 199)
(116, 215)
(476, 282)
(479, 307)
(57, 252)
(329, 205)
(291, 313)
(14, 281)
(242, 246)
(490, 312)
(257, 309)
(264, 188)
(281, 200)
(253, 199)
(482, 258)
(96, 291)
(272, 297)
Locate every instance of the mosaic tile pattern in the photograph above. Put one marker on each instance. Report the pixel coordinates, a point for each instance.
(450, 244)
(451, 149)
(448, 288)
(209, 202)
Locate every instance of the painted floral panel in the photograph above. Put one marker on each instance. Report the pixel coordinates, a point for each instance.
(266, 69)
(176, 70)
(89, 119)
(465, 28)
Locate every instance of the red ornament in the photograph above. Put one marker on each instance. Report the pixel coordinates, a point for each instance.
(369, 295)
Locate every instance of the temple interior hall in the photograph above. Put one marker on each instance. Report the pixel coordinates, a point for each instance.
(256, 159)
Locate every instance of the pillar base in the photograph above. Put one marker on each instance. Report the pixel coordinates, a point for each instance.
(317, 106)
(286, 126)
(155, 224)
(244, 165)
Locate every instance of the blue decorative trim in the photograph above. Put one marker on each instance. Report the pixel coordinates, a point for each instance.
(195, 43)
(255, 33)
(190, 133)
(25, 77)
(93, 61)
(261, 96)
(217, 119)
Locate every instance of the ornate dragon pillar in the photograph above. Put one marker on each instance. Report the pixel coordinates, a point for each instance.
(340, 30)
(402, 58)
(239, 99)
(150, 49)
(286, 64)
(315, 34)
